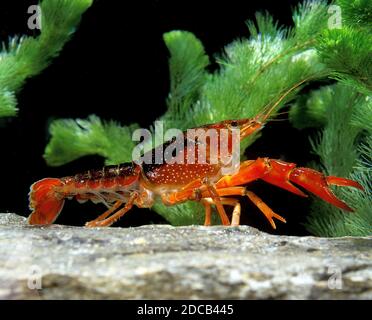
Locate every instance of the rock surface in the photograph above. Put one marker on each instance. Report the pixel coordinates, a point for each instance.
(164, 262)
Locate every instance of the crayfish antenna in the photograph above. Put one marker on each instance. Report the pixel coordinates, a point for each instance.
(45, 202)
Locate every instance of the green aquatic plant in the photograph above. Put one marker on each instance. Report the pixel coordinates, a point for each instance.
(344, 112)
(266, 69)
(344, 147)
(24, 57)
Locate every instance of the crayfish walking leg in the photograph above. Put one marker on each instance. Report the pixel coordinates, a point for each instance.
(116, 216)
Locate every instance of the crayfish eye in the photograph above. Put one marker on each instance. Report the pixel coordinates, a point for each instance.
(234, 124)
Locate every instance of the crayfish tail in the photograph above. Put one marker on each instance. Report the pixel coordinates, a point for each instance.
(45, 201)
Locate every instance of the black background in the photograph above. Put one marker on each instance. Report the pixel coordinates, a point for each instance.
(115, 66)
(94, 309)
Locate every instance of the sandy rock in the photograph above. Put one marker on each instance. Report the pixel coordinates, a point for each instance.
(164, 262)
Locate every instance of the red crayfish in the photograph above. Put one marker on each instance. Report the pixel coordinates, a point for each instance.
(122, 186)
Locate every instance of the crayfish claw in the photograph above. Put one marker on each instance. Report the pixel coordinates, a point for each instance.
(343, 182)
(318, 184)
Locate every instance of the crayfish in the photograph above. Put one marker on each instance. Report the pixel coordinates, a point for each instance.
(123, 186)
